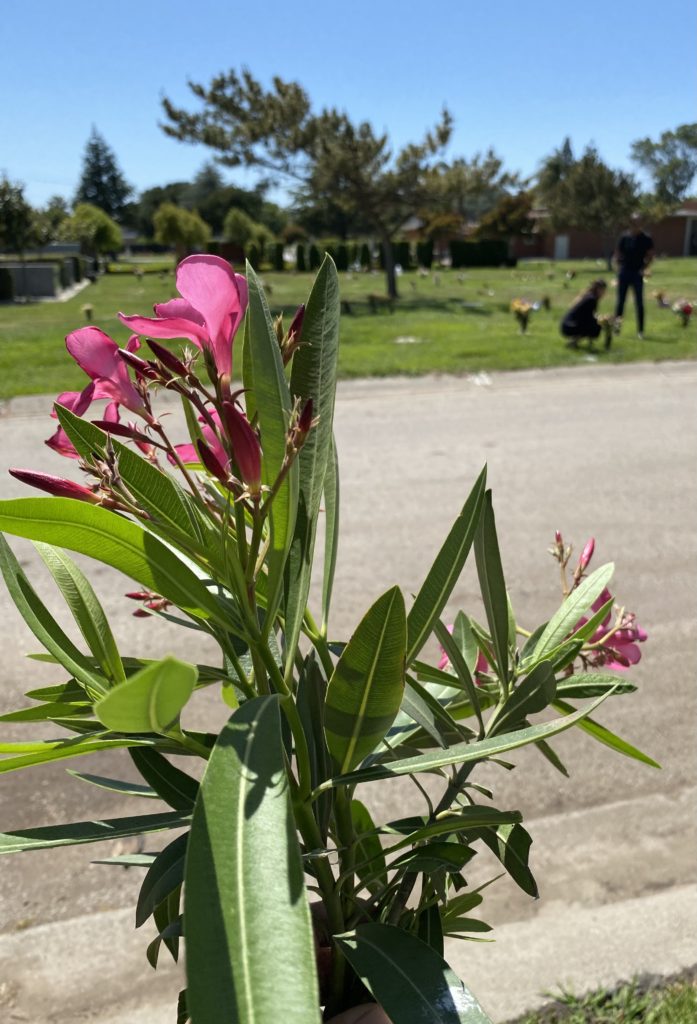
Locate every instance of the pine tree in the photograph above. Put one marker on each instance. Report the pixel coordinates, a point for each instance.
(102, 184)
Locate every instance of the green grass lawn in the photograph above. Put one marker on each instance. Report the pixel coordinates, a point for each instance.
(447, 322)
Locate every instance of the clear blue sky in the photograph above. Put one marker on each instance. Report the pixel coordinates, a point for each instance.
(516, 75)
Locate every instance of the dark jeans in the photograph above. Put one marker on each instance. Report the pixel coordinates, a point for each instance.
(631, 279)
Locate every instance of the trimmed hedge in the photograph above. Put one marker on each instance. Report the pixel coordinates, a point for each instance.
(365, 257)
(300, 263)
(315, 258)
(487, 253)
(277, 256)
(7, 285)
(254, 255)
(424, 254)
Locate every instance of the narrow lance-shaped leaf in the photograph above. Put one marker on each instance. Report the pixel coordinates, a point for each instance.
(313, 377)
(25, 755)
(445, 571)
(493, 586)
(574, 608)
(603, 735)
(408, 978)
(531, 695)
(43, 625)
(246, 906)
(114, 540)
(171, 784)
(87, 611)
(462, 753)
(365, 691)
(331, 532)
(88, 832)
(273, 407)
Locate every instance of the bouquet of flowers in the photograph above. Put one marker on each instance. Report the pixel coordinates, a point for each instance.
(683, 309)
(289, 901)
(521, 310)
(610, 324)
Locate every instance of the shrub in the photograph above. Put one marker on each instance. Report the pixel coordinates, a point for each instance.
(365, 257)
(254, 255)
(341, 256)
(424, 253)
(300, 263)
(315, 258)
(490, 253)
(277, 256)
(7, 285)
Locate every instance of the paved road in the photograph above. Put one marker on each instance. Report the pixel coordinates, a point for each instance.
(607, 451)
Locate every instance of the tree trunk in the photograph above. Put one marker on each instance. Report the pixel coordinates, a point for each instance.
(388, 260)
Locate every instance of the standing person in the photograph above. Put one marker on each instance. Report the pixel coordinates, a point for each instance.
(580, 321)
(633, 255)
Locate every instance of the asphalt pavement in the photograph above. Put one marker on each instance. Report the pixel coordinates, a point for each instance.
(608, 451)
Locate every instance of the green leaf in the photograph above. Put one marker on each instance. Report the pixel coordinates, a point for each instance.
(429, 928)
(433, 857)
(493, 587)
(421, 707)
(115, 785)
(410, 981)
(456, 658)
(43, 625)
(511, 844)
(331, 531)
(366, 688)
(473, 817)
(86, 609)
(109, 538)
(156, 491)
(574, 608)
(590, 684)
(88, 832)
(603, 735)
(445, 571)
(63, 693)
(462, 753)
(532, 694)
(273, 406)
(313, 376)
(47, 712)
(149, 701)
(370, 859)
(171, 784)
(165, 874)
(464, 637)
(246, 909)
(28, 754)
(312, 690)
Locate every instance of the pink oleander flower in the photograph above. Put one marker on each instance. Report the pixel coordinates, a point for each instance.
(189, 453)
(98, 355)
(55, 485)
(621, 650)
(77, 402)
(482, 664)
(213, 303)
(586, 555)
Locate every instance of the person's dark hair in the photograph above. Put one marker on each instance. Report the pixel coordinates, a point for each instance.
(600, 284)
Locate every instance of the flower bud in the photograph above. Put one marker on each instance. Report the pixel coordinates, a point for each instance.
(586, 554)
(210, 461)
(246, 450)
(304, 424)
(141, 366)
(55, 485)
(168, 359)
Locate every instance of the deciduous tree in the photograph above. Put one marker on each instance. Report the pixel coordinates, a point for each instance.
(182, 229)
(324, 154)
(671, 162)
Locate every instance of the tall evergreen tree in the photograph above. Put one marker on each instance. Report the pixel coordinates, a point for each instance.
(102, 184)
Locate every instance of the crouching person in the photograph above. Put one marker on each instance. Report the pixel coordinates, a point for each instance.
(580, 321)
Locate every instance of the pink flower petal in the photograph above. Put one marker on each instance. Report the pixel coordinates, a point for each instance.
(176, 327)
(75, 401)
(210, 285)
(178, 309)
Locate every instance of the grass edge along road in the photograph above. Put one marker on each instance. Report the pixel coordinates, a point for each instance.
(445, 321)
(642, 1001)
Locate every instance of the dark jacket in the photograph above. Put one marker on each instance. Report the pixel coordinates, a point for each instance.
(580, 321)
